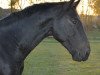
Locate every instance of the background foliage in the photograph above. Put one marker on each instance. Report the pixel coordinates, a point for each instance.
(95, 4)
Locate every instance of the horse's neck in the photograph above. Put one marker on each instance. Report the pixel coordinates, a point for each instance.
(33, 35)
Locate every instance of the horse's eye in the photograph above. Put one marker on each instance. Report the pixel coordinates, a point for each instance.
(74, 21)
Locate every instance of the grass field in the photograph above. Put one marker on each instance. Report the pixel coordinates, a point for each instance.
(51, 58)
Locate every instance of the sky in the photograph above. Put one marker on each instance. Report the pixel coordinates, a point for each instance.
(5, 4)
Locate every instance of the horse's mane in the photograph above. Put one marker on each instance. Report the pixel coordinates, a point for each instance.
(28, 11)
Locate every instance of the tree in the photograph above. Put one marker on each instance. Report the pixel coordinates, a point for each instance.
(12, 4)
(95, 4)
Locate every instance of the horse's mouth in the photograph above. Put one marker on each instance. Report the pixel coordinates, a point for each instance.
(80, 57)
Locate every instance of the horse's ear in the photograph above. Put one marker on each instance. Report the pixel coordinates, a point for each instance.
(76, 3)
(71, 2)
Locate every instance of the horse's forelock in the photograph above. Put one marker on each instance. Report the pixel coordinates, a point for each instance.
(72, 3)
(76, 3)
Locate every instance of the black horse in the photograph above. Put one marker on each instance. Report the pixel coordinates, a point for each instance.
(22, 31)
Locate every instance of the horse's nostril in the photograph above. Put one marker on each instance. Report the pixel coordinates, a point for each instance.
(86, 56)
(77, 56)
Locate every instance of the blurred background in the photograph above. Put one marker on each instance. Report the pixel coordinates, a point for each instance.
(50, 57)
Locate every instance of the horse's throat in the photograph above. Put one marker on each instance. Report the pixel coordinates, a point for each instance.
(27, 47)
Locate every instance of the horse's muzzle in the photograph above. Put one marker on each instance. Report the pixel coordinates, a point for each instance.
(81, 56)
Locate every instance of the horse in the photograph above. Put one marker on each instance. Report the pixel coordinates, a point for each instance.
(22, 31)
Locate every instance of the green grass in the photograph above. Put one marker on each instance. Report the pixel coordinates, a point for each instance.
(51, 58)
